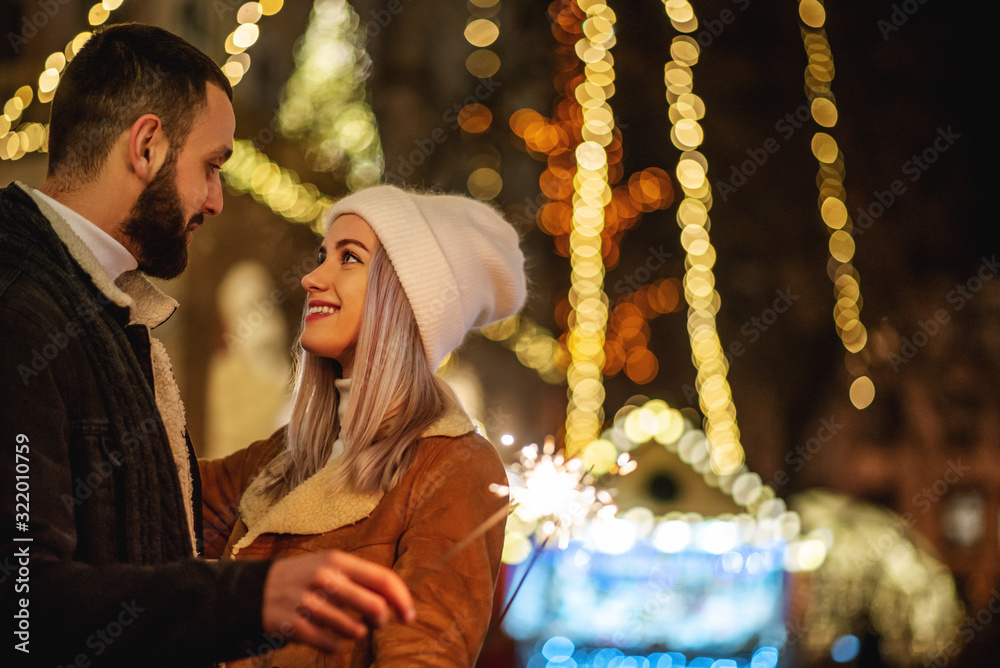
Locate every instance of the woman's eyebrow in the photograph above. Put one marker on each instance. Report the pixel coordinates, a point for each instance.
(347, 242)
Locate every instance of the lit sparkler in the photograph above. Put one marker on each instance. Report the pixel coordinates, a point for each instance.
(554, 494)
(547, 492)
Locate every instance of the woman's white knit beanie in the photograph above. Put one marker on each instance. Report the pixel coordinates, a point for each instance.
(459, 261)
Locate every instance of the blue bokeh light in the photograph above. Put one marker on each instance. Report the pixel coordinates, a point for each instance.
(558, 649)
(845, 648)
(560, 652)
(765, 657)
(690, 600)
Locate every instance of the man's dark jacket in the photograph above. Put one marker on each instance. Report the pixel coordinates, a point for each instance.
(97, 557)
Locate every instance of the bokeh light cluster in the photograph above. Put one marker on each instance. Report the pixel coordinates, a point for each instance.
(245, 35)
(534, 345)
(559, 652)
(833, 200)
(880, 579)
(714, 394)
(587, 208)
(476, 118)
(325, 103)
(656, 421)
(250, 171)
(591, 193)
(16, 140)
(627, 347)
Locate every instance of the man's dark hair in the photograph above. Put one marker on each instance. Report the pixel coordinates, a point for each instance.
(122, 72)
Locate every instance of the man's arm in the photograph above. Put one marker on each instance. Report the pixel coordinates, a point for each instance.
(75, 612)
(183, 613)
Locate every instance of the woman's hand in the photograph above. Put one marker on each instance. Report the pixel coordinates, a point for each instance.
(306, 598)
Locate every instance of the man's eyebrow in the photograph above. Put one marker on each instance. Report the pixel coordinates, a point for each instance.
(223, 153)
(347, 242)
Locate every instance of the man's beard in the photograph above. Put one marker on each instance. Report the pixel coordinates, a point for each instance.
(155, 231)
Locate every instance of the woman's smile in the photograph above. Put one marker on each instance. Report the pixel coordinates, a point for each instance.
(320, 309)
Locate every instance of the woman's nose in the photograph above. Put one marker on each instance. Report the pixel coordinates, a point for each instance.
(313, 281)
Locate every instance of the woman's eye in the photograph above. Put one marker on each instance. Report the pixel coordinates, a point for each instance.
(349, 258)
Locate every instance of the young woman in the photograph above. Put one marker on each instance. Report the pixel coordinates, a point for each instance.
(379, 460)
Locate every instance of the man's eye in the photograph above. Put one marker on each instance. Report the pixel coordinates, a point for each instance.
(321, 255)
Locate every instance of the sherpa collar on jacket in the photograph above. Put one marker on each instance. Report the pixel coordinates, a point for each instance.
(318, 505)
(147, 306)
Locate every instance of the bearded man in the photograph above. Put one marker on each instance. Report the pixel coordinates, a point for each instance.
(101, 500)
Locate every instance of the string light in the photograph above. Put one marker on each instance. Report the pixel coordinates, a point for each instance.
(534, 345)
(586, 74)
(591, 193)
(18, 140)
(14, 144)
(686, 109)
(245, 35)
(250, 171)
(556, 496)
(325, 103)
(832, 201)
(476, 119)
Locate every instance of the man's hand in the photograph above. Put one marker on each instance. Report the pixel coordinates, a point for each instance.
(306, 598)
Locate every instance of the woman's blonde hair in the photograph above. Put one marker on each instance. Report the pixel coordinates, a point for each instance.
(394, 397)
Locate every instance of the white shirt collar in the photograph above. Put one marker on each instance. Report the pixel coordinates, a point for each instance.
(114, 258)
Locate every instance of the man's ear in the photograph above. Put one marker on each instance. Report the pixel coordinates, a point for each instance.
(147, 147)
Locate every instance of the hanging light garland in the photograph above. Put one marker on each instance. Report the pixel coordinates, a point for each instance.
(686, 109)
(251, 171)
(555, 140)
(30, 137)
(534, 345)
(476, 119)
(591, 193)
(17, 141)
(246, 35)
(832, 200)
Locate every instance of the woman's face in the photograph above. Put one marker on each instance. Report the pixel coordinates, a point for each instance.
(337, 290)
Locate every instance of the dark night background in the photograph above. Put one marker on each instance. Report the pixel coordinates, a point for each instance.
(896, 89)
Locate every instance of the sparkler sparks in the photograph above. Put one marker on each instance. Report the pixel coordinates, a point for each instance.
(551, 496)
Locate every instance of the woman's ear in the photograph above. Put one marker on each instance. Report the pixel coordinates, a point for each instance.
(147, 147)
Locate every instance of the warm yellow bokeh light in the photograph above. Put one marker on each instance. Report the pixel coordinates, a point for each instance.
(812, 13)
(824, 112)
(98, 14)
(246, 35)
(481, 32)
(271, 7)
(482, 63)
(834, 213)
(862, 392)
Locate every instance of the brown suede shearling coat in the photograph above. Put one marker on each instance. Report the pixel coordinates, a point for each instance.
(440, 500)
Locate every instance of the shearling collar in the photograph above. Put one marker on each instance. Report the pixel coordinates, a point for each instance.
(146, 303)
(318, 505)
(147, 306)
